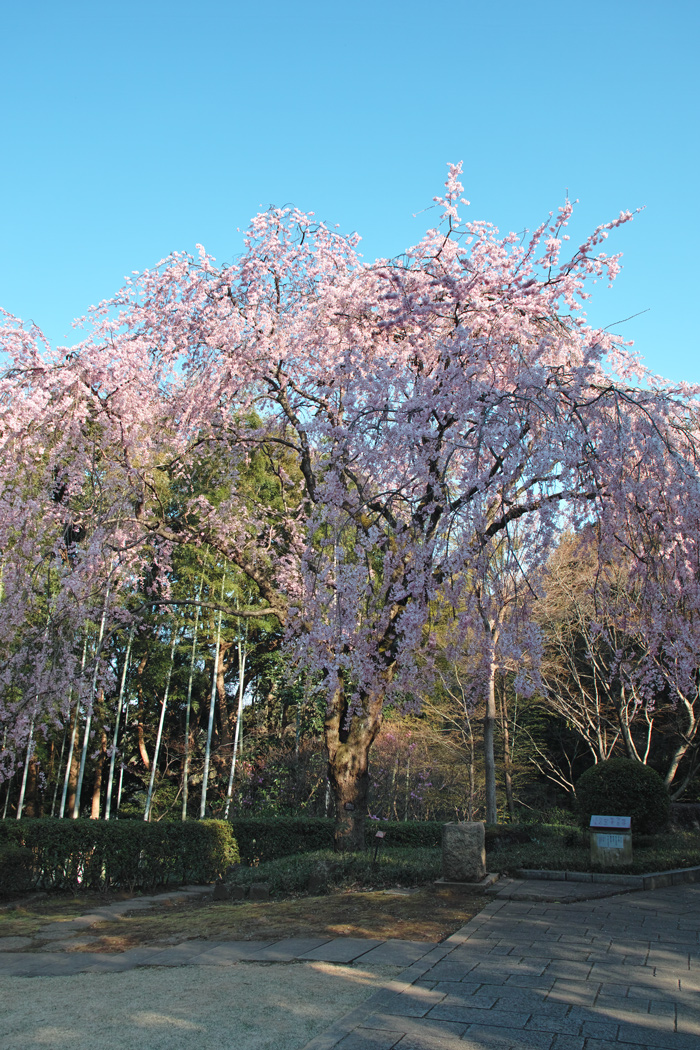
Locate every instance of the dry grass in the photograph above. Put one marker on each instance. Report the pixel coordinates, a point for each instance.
(425, 914)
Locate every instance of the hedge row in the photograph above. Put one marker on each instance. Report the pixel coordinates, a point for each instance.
(261, 839)
(267, 838)
(126, 854)
(133, 855)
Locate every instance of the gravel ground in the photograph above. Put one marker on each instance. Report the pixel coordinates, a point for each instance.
(245, 1006)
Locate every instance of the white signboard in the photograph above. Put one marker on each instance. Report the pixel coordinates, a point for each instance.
(624, 823)
(611, 841)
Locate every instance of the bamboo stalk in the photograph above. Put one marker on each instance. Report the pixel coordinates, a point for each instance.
(122, 685)
(149, 798)
(210, 727)
(186, 763)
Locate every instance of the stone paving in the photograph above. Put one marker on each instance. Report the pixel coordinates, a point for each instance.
(523, 975)
(526, 973)
(60, 958)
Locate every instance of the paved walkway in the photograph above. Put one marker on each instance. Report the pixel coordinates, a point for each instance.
(524, 974)
(606, 974)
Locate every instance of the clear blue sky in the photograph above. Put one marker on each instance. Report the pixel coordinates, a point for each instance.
(131, 130)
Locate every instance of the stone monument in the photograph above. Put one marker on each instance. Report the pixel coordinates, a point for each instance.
(463, 851)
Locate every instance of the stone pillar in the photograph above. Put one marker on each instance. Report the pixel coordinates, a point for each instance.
(463, 852)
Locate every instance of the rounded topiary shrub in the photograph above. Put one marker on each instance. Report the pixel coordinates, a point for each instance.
(620, 787)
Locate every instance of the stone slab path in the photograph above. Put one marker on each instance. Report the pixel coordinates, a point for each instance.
(612, 974)
(211, 953)
(61, 959)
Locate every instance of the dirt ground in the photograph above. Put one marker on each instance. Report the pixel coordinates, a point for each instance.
(247, 1006)
(423, 914)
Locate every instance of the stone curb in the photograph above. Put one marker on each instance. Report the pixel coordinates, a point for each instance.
(656, 880)
(552, 891)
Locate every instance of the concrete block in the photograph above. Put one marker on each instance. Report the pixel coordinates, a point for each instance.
(397, 953)
(484, 1036)
(228, 953)
(288, 949)
(341, 950)
(568, 1042)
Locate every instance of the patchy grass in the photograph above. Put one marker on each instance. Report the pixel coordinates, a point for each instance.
(27, 916)
(425, 914)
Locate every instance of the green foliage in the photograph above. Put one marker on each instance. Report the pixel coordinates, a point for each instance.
(630, 788)
(560, 816)
(131, 854)
(265, 838)
(16, 864)
(426, 834)
(566, 849)
(500, 836)
(261, 839)
(289, 875)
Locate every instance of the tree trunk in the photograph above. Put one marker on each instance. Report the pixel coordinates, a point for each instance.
(32, 806)
(115, 738)
(210, 724)
(8, 790)
(139, 722)
(57, 779)
(25, 771)
(97, 784)
(188, 708)
(489, 758)
(159, 737)
(468, 732)
(226, 717)
(141, 739)
(507, 758)
(348, 765)
(72, 774)
(687, 738)
(89, 710)
(242, 654)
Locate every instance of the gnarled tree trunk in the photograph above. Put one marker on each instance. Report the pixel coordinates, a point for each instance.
(348, 748)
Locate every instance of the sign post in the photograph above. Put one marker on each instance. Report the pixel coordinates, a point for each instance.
(611, 841)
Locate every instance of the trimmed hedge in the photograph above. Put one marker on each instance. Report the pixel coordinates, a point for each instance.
(129, 854)
(419, 833)
(502, 836)
(266, 838)
(16, 868)
(622, 787)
